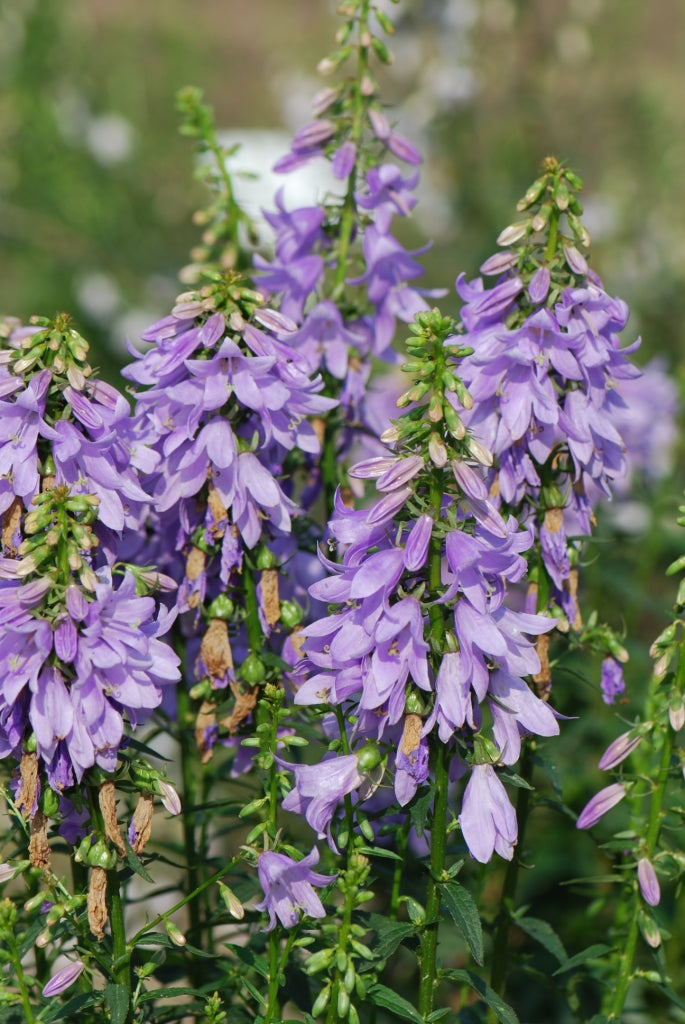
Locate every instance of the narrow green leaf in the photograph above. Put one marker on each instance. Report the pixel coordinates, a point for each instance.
(166, 993)
(543, 933)
(464, 913)
(418, 810)
(669, 993)
(378, 851)
(591, 953)
(389, 934)
(136, 865)
(61, 1011)
(384, 997)
(117, 1001)
(502, 1010)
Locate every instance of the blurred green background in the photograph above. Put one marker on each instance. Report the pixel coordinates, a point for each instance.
(96, 190)
(97, 195)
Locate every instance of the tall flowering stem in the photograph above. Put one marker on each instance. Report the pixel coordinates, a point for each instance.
(337, 270)
(665, 716)
(422, 636)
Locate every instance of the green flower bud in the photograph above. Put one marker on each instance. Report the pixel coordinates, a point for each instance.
(48, 801)
(321, 1001)
(292, 614)
(368, 757)
(253, 670)
(100, 855)
(266, 559)
(343, 1002)
(222, 607)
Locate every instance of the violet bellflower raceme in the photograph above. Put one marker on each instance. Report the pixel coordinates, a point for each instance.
(80, 644)
(342, 256)
(433, 545)
(546, 375)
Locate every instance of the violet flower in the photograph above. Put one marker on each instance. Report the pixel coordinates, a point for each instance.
(612, 682)
(649, 883)
(288, 888)
(487, 819)
(62, 979)
(319, 788)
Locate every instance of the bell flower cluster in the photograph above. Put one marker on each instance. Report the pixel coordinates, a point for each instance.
(337, 269)
(374, 655)
(81, 647)
(546, 374)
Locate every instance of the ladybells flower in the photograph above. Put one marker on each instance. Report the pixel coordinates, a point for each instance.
(288, 887)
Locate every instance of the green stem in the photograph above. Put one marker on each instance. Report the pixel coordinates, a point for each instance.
(255, 638)
(553, 235)
(272, 1010)
(182, 902)
(120, 951)
(349, 891)
(401, 841)
(23, 990)
(344, 935)
(189, 772)
(626, 955)
(347, 218)
(429, 937)
(500, 951)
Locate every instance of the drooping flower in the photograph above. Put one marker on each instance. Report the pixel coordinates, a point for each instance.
(487, 819)
(288, 887)
(612, 681)
(319, 788)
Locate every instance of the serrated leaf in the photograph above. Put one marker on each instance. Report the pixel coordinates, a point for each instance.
(389, 934)
(597, 950)
(502, 1010)
(117, 1001)
(543, 933)
(136, 864)
(464, 913)
(246, 956)
(384, 997)
(418, 811)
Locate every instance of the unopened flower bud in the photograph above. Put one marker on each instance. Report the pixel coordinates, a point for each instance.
(676, 713)
(479, 452)
(649, 883)
(175, 933)
(170, 798)
(513, 233)
(650, 930)
(600, 804)
(63, 978)
(437, 451)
